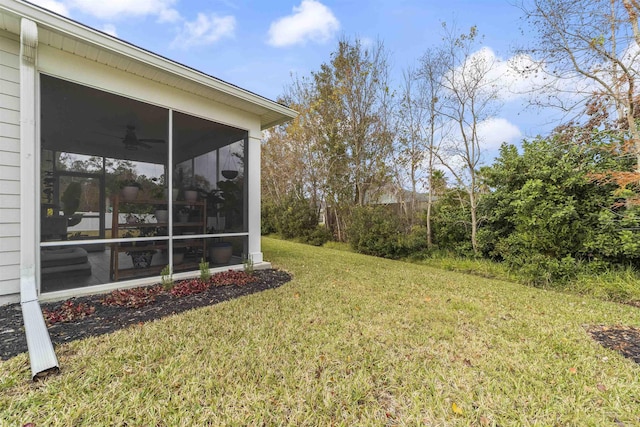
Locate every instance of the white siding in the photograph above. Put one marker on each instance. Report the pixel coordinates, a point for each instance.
(9, 168)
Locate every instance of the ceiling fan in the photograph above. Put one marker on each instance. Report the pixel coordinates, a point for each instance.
(132, 142)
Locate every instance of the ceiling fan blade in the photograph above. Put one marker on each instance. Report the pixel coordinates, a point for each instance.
(108, 134)
(152, 140)
(142, 144)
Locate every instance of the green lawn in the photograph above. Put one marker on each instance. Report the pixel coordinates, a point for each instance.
(352, 340)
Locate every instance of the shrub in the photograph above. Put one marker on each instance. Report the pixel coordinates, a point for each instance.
(318, 236)
(295, 218)
(451, 225)
(269, 218)
(205, 274)
(543, 271)
(375, 230)
(167, 277)
(414, 242)
(248, 265)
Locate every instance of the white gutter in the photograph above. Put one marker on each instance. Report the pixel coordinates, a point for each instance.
(41, 354)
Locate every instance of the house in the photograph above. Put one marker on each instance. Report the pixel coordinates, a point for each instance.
(399, 198)
(82, 114)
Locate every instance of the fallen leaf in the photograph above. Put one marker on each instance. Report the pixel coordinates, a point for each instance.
(573, 370)
(296, 295)
(601, 387)
(427, 299)
(484, 421)
(456, 409)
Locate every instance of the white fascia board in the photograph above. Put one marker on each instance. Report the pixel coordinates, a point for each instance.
(69, 28)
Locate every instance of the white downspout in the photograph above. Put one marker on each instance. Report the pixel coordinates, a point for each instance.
(41, 354)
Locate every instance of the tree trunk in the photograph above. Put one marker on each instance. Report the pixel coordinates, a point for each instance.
(474, 222)
(429, 238)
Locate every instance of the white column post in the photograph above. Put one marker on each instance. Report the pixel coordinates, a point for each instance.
(253, 198)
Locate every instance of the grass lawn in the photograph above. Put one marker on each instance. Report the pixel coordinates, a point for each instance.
(352, 340)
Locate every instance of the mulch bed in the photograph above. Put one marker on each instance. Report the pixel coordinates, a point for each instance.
(623, 339)
(108, 319)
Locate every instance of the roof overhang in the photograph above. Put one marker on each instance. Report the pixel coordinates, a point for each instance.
(65, 34)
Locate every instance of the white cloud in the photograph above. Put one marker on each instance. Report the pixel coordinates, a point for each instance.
(53, 5)
(494, 131)
(310, 21)
(169, 15)
(122, 9)
(109, 29)
(206, 29)
(510, 79)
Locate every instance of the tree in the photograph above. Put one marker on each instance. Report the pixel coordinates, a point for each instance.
(287, 163)
(588, 51)
(362, 91)
(470, 91)
(339, 144)
(411, 145)
(545, 212)
(292, 170)
(431, 74)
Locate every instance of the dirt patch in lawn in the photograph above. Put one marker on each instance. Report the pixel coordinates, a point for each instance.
(106, 319)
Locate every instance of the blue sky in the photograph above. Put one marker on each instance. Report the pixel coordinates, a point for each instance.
(257, 45)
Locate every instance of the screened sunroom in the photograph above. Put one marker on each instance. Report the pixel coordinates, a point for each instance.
(87, 121)
(128, 187)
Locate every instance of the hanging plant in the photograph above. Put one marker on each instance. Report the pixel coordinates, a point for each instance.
(229, 174)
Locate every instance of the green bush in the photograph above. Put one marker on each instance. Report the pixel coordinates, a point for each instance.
(268, 224)
(375, 230)
(318, 236)
(414, 243)
(379, 231)
(451, 224)
(540, 270)
(294, 218)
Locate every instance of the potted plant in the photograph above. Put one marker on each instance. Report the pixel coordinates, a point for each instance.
(174, 194)
(178, 255)
(215, 215)
(139, 258)
(190, 194)
(231, 196)
(129, 190)
(183, 214)
(161, 213)
(220, 252)
(71, 202)
(229, 174)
